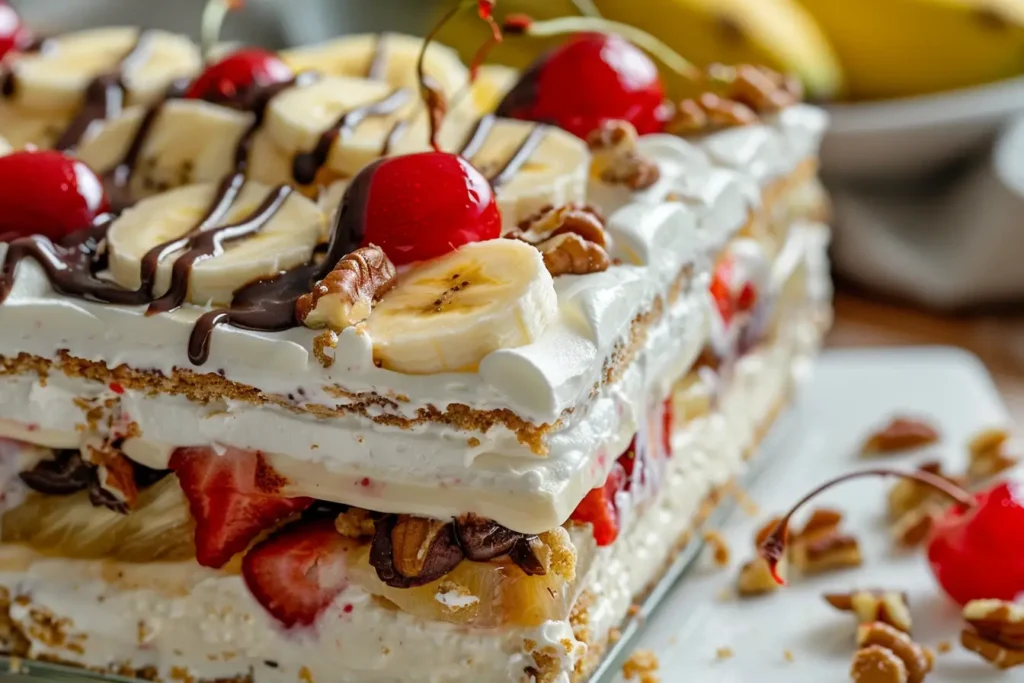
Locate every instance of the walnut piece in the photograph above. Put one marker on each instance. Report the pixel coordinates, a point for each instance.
(888, 607)
(987, 456)
(410, 551)
(914, 658)
(346, 296)
(616, 160)
(570, 254)
(875, 664)
(900, 434)
(708, 113)
(756, 578)
(995, 630)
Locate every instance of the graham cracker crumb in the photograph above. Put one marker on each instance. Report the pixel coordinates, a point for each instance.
(323, 341)
(788, 655)
(354, 523)
(724, 653)
(641, 665)
(719, 547)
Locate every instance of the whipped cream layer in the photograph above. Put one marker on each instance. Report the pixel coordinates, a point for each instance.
(182, 619)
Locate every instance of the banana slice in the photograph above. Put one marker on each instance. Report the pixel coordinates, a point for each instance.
(554, 169)
(395, 57)
(446, 315)
(189, 142)
(286, 240)
(55, 79)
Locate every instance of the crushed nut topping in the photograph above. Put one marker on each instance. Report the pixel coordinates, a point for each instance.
(987, 456)
(888, 607)
(346, 296)
(355, 523)
(763, 90)
(708, 113)
(915, 659)
(995, 630)
(900, 434)
(875, 664)
(570, 254)
(410, 551)
(616, 160)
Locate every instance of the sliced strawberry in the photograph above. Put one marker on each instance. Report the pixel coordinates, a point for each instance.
(296, 573)
(233, 497)
(598, 508)
(747, 298)
(667, 420)
(628, 461)
(720, 289)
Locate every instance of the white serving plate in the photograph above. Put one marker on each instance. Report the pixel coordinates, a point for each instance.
(916, 135)
(851, 393)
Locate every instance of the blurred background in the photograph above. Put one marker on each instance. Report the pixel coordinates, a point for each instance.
(925, 158)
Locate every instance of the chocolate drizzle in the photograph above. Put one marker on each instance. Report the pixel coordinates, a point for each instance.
(305, 166)
(475, 141)
(105, 95)
(522, 154)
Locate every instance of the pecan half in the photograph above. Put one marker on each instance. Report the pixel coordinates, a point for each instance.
(826, 552)
(616, 160)
(570, 254)
(908, 495)
(756, 578)
(411, 551)
(876, 664)
(888, 607)
(346, 296)
(707, 113)
(580, 219)
(115, 478)
(484, 539)
(913, 656)
(998, 621)
(900, 434)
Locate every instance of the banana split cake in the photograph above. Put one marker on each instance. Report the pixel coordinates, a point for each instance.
(288, 395)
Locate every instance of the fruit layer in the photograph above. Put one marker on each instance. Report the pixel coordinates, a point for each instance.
(205, 624)
(366, 436)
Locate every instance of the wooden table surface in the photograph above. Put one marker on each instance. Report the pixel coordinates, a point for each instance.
(998, 339)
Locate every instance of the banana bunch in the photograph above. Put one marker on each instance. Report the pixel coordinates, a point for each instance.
(447, 314)
(896, 48)
(776, 33)
(48, 87)
(285, 241)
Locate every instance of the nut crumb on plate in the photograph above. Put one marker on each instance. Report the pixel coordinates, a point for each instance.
(642, 665)
(719, 546)
(723, 653)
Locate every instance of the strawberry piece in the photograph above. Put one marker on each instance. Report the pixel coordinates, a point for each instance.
(747, 297)
(299, 571)
(233, 498)
(720, 289)
(598, 507)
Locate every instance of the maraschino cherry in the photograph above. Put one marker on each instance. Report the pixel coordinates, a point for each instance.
(421, 206)
(47, 193)
(13, 33)
(975, 548)
(592, 78)
(234, 78)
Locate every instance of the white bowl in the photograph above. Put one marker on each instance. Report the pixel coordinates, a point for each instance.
(916, 135)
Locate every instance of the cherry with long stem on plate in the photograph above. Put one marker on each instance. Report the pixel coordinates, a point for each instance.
(422, 206)
(598, 75)
(46, 192)
(975, 548)
(236, 77)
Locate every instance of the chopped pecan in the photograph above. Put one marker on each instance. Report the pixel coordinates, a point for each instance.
(826, 552)
(876, 664)
(888, 607)
(1000, 656)
(707, 113)
(617, 161)
(914, 527)
(582, 219)
(570, 254)
(346, 296)
(766, 530)
(913, 656)
(756, 578)
(907, 495)
(822, 522)
(484, 539)
(115, 478)
(762, 89)
(901, 434)
(987, 456)
(998, 621)
(411, 551)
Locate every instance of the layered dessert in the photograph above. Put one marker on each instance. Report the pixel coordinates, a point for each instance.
(302, 380)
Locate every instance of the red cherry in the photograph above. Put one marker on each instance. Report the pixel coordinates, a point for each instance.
(231, 79)
(598, 508)
(48, 193)
(421, 206)
(591, 79)
(13, 34)
(978, 553)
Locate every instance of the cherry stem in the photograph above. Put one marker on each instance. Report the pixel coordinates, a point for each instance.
(212, 20)
(433, 97)
(773, 548)
(592, 24)
(587, 8)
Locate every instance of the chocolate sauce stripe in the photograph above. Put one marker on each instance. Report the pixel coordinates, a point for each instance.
(522, 154)
(105, 95)
(475, 142)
